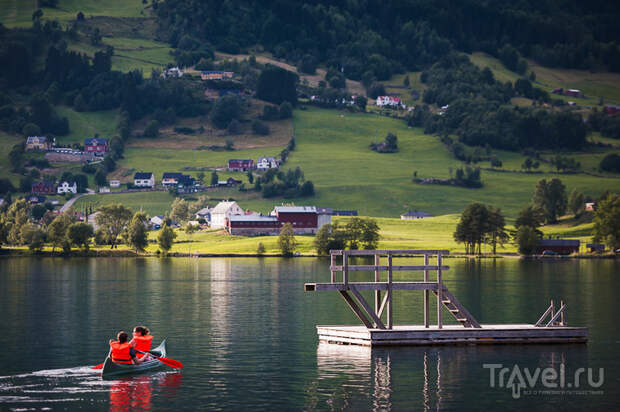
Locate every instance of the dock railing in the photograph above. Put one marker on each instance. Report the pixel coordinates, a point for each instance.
(372, 317)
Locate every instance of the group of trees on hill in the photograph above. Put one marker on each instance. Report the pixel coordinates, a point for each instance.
(375, 38)
(479, 114)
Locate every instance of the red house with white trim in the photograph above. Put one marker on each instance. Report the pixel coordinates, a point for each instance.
(43, 188)
(96, 145)
(240, 165)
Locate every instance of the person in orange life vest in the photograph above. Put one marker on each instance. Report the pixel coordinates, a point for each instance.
(141, 341)
(121, 350)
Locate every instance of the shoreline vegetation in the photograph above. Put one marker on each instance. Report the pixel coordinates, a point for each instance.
(23, 251)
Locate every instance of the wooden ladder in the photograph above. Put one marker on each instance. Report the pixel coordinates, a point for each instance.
(457, 310)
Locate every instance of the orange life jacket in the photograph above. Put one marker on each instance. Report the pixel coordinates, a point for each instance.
(143, 343)
(120, 352)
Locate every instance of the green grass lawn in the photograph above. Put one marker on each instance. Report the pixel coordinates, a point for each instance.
(7, 142)
(593, 85)
(332, 150)
(86, 124)
(153, 203)
(18, 13)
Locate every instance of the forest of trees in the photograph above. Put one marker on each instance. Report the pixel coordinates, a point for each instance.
(373, 38)
(479, 113)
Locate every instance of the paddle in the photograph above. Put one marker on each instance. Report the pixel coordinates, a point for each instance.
(173, 363)
(166, 361)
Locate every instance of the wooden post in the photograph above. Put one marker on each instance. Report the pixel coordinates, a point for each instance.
(377, 279)
(345, 267)
(439, 293)
(562, 318)
(333, 272)
(390, 310)
(552, 310)
(426, 294)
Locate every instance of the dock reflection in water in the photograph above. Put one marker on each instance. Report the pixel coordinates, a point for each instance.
(430, 378)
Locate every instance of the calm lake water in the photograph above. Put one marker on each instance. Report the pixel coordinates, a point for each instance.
(245, 331)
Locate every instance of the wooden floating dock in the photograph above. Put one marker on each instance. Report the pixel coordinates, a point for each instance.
(376, 331)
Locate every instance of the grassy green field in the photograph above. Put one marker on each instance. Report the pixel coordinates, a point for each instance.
(593, 85)
(86, 124)
(153, 203)
(332, 150)
(18, 13)
(434, 233)
(7, 142)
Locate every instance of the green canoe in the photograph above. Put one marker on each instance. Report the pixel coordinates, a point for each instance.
(113, 369)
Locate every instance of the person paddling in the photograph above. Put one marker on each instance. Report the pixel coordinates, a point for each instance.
(121, 350)
(141, 341)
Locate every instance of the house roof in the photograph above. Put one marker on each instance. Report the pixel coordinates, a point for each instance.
(325, 211)
(186, 180)
(345, 212)
(67, 182)
(143, 175)
(558, 242)
(222, 207)
(417, 214)
(253, 218)
(38, 139)
(172, 175)
(240, 160)
(295, 209)
(267, 158)
(47, 184)
(95, 141)
(204, 211)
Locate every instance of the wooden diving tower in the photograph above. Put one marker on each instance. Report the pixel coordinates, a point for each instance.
(377, 331)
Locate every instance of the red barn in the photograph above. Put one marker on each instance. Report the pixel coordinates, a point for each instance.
(96, 145)
(240, 165)
(304, 219)
(253, 225)
(43, 188)
(612, 109)
(559, 246)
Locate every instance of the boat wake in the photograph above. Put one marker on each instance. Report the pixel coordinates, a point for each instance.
(59, 388)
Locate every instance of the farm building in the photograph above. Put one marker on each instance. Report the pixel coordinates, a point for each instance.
(415, 215)
(43, 188)
(304, 219)
(268, 162)
(215, 75)
(96, 145)
(144, 179)
(230, 182)
(66, 187)
(573, 93)
(612, 109)
(595, 247)
(560, 246)
(115, 183)
(253, 225)
(240, 165)
(38, 143)
(389, 101)
(170, 179)
(223, 211)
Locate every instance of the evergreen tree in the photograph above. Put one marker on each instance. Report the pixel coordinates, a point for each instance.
(166, 238)
(137, 233)
(286, 240)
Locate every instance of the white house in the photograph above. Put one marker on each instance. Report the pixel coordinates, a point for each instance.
(172, 72)
(268, 162)
(144, 179)
(66, 187)
(204, 213)
(115, 183)
(390, 101)
(223, 211)
(157, 220)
